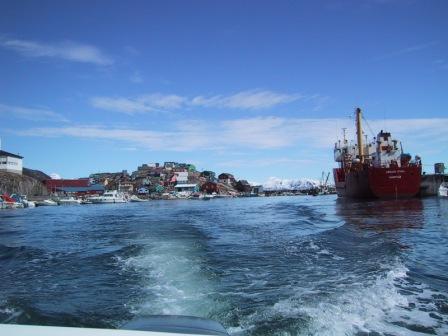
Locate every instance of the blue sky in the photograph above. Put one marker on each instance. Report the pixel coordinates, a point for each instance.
(257, 88)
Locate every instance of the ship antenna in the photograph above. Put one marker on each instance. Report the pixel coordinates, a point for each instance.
(359, 134)
(344, 130)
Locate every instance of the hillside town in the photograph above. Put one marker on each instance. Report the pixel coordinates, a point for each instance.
(168, 180)
(155, 180)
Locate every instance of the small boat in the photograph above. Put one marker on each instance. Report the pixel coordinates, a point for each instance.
(443, 189)
(69, 201)
(135, 198)
(46, 202)
(26, 202)
(113, 196)
(30, 204)
(10, 203)
(86, 201)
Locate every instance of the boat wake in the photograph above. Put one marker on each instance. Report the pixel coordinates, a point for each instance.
(175, 279)
(391, 304)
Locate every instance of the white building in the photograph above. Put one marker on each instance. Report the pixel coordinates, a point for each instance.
(182, 177)
(11, 163)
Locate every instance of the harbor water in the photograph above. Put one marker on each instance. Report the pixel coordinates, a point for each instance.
(261, 266)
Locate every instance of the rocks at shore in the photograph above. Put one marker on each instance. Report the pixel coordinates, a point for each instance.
(21, 184)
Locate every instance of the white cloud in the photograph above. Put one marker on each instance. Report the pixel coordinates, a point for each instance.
(247, 100)
(266, 162)
(66, 50)
(148, 103)
(124, 105)
(406, 50)
(170, 101)
(313, 136)
(33, 114)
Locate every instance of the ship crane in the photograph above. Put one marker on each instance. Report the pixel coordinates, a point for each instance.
(326, 180)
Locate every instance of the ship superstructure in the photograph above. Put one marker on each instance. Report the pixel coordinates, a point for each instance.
(378, 168)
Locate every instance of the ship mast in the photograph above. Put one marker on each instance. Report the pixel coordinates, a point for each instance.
(359, 135)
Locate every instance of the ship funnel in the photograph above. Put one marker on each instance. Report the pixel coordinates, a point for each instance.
(359, 134)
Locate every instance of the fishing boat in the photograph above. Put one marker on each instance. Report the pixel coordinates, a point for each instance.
(112, 196)
(443, 189)
(379, 169)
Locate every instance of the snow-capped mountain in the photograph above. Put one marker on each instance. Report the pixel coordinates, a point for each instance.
(275, 183)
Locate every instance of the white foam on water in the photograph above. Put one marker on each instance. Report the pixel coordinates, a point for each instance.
(366, 306)
(10, 312)
(378, 307)
(173, 279)
(320, 251)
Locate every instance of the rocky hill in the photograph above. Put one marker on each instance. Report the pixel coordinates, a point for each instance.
(11, 183)
(36, 174)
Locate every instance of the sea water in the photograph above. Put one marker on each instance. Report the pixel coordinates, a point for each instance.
(261, 266)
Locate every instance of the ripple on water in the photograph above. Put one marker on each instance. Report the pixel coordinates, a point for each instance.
(272, 266)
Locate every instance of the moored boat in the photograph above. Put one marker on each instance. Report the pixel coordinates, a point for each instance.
(113, 196)
(379, 169)
(69, 201)
(27, 203)
(10, 203)
(22, 201)
(47, 202)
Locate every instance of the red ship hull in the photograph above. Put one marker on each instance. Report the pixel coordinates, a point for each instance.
(371, 182)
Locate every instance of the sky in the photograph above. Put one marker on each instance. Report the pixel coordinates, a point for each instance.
(255, 88)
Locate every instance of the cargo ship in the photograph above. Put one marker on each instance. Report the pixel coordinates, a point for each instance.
(376, 169)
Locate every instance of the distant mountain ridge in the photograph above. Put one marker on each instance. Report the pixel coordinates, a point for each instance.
(278, 184)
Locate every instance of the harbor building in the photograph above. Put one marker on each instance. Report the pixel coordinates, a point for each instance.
(430, 183)
(11, 163)
(77, 187)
